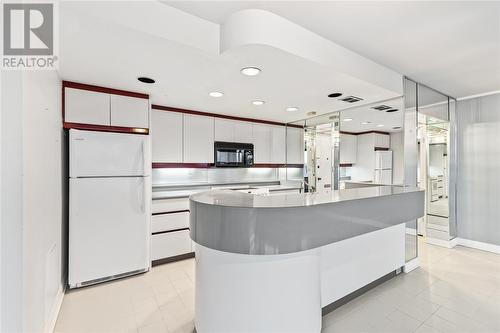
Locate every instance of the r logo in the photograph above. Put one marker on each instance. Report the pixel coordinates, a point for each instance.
(28, 29)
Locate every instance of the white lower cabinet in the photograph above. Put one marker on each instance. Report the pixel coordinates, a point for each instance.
(170, 244)
(170, 228)
(169, 221)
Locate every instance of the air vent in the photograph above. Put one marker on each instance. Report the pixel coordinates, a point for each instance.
(351, 99)
(381, 107)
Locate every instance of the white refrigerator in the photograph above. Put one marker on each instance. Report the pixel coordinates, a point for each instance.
(383, 167)
(109, 206)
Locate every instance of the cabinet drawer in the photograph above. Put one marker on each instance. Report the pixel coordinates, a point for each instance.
(170, 205)
(170, 244)
(169, 221)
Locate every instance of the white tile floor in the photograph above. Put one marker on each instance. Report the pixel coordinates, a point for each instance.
(454, 290)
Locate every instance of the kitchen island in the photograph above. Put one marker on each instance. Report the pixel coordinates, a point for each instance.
(270, 263)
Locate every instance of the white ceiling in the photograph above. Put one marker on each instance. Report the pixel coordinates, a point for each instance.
(366, 113)
(103, 43)
(452, 46)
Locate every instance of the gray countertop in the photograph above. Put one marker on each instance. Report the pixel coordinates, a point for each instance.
(243, 223)
(230, 198)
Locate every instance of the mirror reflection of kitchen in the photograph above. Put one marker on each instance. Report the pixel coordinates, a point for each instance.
(355, 147)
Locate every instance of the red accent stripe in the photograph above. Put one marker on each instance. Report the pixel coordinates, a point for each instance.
(82, 86)
(344, 165)
(216, 115)
(104, 128)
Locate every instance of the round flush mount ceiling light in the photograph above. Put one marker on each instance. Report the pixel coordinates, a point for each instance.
(292, 108)
(216, 94)
(366, 122)
(380, 125)
(145, 79)
(392, 110)
(258, 103)
(336, 94)
(347, 119)
(250, 71)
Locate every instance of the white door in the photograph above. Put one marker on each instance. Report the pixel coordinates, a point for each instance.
(278, 144)
(101, 154)
(262, 143)
(166, 136)
(243, 132)
(109, 227)
(383, 160)
(129, 111)
(198, 139)
(224, 130)
(383, 176)
(86, 107)
(294, 145)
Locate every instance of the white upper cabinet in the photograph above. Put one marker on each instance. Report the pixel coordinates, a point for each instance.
(86, 107)
(382, 140)
(278, 145)
(294, 145)
(262, 143)
(243, 132)
(129, 111)
(224, 130)
(233, 131)
(198, 139)
(348, 148)
(166, 136)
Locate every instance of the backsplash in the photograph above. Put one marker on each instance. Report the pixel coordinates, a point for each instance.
(186, 176)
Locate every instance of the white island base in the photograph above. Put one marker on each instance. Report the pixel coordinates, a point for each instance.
(285, 293)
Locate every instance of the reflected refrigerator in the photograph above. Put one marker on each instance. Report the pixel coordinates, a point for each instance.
(383, 167)
(109, 206)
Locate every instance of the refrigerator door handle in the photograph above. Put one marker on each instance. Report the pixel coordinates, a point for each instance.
(142, 195)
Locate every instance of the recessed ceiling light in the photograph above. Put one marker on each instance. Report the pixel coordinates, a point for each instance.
(347, 119)
(258, 103)
(392, 110)
(250, 71)
(366, 122)
(145, 79)
(216, 94)
(311, 113)
(380, 125)
(333, 95)
(292, 109)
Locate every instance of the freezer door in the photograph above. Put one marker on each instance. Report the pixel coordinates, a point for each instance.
(383, 160)
(101, 154)
(383, 176)
(109, 227)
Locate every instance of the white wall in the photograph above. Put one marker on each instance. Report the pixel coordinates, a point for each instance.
(397, 147)
(34, 243)
(478, 181)
(11, 203)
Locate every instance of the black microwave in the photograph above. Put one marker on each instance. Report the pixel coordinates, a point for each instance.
(233, 154)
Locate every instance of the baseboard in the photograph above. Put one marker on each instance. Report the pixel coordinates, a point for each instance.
(51, 324)
(479, 245)
(411, 265)
(441, 242)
